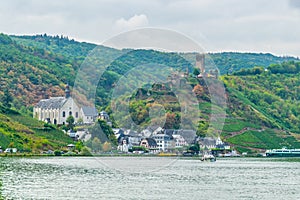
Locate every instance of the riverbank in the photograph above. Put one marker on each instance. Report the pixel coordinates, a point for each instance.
(273, 159)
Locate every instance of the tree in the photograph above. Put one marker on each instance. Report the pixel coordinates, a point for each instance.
(7, 98)
(78, 146)
(199, 91)
(172, 121)
(103, 131)
(106, 147)
(80, 121)
(70, 120)
(196, 71)
(202, 128)
(85, 151)
(96, 144)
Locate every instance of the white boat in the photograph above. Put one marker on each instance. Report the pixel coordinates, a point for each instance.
(283, 152)
(208, 157)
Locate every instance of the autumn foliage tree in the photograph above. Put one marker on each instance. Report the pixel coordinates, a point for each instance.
(198, 90)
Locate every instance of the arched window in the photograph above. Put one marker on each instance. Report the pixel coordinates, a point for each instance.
(64, 114)
(55, 121)
(70, 113)
(76, 114)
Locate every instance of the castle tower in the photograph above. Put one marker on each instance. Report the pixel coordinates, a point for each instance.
(200, 58)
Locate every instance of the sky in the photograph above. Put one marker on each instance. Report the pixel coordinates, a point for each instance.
(217, 25)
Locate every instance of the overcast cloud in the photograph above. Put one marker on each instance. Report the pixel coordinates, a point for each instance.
(217, 25)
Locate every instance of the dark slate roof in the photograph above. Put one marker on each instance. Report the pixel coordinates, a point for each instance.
(188, 135)
(151, 142)
(52, 103)
(118, 131)
(208, 141)
(103, 113)
(121, 138)
(169, 132)
(89, 111)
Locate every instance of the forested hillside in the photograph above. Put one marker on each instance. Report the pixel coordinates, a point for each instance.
(230, 62)
(262, 89)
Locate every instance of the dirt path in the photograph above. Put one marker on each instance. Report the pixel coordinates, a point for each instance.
(231, 134)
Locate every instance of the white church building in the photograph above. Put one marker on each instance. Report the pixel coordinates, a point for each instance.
(56, 110)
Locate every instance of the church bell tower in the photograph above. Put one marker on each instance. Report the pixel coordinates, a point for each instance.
(67, 91)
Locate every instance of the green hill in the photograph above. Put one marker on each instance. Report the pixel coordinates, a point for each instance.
(263, 105)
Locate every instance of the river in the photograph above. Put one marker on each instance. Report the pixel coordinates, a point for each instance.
(148, 178)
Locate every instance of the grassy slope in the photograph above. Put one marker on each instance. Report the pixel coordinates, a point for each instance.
(252, 126)
(29, 135)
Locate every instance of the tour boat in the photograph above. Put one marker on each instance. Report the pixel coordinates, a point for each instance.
(283, 152)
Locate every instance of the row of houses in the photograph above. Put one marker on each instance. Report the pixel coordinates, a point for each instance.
(158, 140)
(164, 140)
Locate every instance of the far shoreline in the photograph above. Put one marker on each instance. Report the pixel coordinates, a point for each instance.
(273, 159)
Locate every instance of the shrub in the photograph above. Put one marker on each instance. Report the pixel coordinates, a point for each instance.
(57, 153)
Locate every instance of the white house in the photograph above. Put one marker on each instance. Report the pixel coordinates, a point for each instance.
(88, 114)
(207, 143)
(163, 141)
(179, 141)
(56, 110)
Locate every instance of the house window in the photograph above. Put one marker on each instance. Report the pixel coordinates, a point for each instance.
(64, 114)
(76, 114)
(70, 113)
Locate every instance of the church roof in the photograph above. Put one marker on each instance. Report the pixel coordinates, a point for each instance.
(52, 103)
(89, 111)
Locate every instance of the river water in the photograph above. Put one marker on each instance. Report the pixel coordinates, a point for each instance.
(148, 178)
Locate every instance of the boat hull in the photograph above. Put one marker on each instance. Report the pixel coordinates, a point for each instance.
(283, 154)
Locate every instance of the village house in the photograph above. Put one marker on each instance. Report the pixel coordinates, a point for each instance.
(207, 143)
(179, 141)
(56, 110)
(150, 144)
(212, 143)
(188, 135)
(123, 144)
(104, 116)
(163, 141)
(89, 114)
